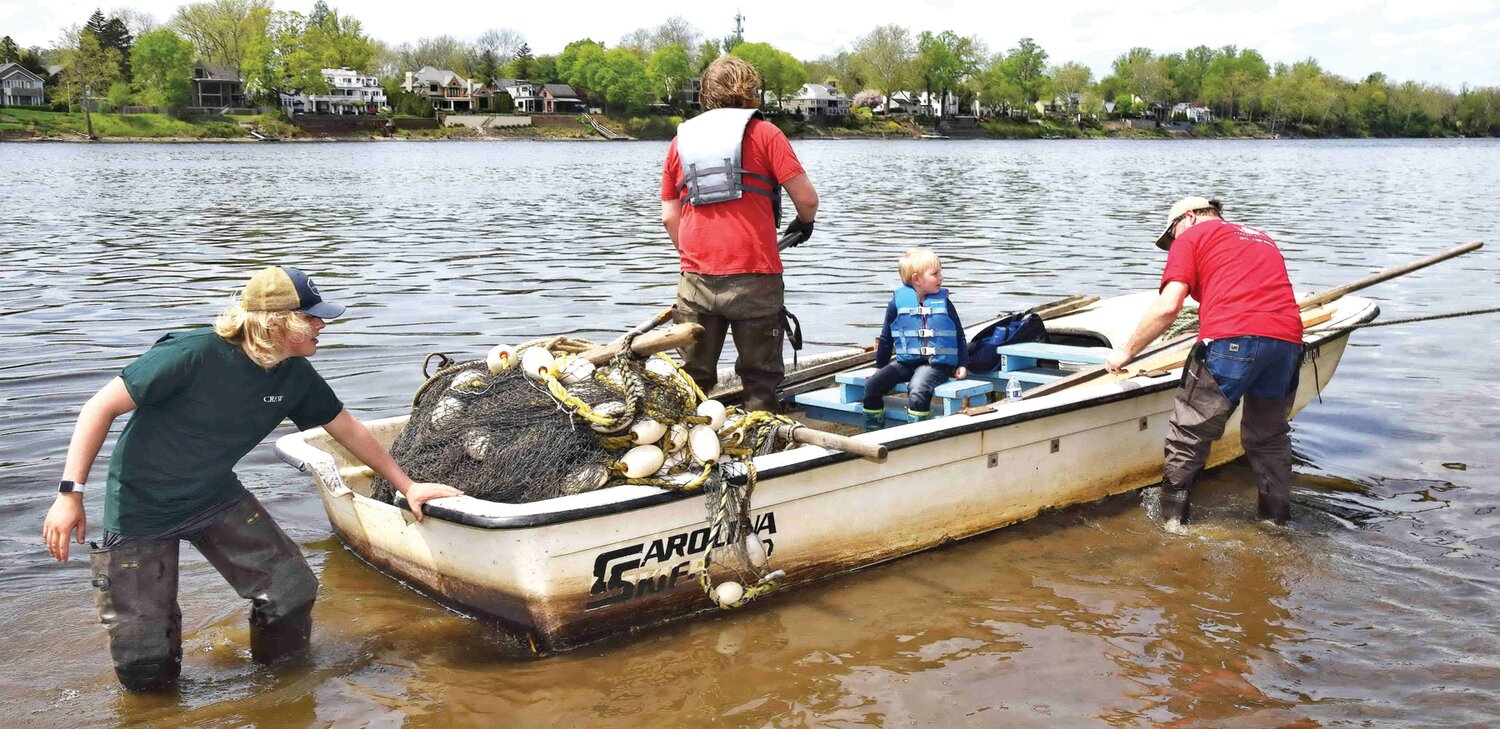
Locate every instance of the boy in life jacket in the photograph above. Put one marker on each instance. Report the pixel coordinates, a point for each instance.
(923, 334)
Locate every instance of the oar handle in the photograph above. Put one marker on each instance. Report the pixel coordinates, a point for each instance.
(674, 337)
(864, 449)
(789, 240)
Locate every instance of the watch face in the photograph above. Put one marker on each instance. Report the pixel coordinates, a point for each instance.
(65, 487)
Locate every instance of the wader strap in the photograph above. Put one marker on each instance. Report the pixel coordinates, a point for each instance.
(1199, 352)
(793, 329)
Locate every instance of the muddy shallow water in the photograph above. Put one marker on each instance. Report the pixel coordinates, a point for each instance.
(1376, 606)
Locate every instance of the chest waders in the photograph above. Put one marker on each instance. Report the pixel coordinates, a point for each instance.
(135, 590)
(750, 306)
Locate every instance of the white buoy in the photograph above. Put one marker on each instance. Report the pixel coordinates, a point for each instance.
(756, 550)
(641, 461)
(615, 412)
(677, 437)
(646, 431)
(536, 362)
(728, 593)
(445, 409)
(500, 358)
(573, 370)
(730, 421)
(476, 444)
(704, 443)
(714, 411)
(466, 380)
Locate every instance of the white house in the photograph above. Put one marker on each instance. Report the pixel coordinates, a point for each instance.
(524, 95)
(351, 92)
(820, 100)
(1196, 112)
(20, 87)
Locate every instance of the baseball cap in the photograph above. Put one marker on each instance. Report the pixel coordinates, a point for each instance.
(284, 288)
(1180, 208)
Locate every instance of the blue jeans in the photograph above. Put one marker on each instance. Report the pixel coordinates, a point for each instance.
(922, 379)
(1260, 367)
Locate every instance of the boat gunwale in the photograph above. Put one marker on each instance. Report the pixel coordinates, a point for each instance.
(957, 428)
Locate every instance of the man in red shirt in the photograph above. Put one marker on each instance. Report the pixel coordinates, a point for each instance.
(1249, 346)
(721, 200)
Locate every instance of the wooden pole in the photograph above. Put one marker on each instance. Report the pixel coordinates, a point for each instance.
(648, 344)
(864, 449)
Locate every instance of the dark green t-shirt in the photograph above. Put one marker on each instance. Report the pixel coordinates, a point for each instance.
(201, 405)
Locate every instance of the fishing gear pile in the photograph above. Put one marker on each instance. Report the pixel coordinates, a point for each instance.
(543, 420)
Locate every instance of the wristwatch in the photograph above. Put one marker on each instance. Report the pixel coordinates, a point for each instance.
(68, 487)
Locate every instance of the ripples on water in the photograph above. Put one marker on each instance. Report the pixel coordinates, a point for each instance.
(1377, 606)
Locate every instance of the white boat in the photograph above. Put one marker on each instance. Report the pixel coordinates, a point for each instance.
(577, 569)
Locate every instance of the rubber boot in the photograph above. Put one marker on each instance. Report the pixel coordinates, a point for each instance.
(918, 416)
(874, 419)
(1174, 508)
(266, 567)
(135, 590)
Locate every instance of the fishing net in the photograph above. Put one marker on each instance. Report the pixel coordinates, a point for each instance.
(545, 421)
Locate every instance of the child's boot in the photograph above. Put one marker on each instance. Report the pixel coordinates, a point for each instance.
(918, 416)
(874, 419)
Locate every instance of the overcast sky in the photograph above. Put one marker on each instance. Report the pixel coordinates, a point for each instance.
(1450, 42)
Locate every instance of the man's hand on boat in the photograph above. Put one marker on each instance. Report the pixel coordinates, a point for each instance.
(354, 436)
(1116, 362)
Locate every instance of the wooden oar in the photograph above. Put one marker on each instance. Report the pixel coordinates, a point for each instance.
(1309, 301)
(869, 451)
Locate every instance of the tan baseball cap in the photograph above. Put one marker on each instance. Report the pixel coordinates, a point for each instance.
(1180, 208)
(284, 288)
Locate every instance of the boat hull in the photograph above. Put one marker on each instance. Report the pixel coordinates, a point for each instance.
(557, 576)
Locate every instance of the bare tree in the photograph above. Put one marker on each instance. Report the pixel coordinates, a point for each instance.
(138, 22)
(222, 29)
(503, 42)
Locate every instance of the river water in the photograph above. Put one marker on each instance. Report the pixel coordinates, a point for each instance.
(1378, 605)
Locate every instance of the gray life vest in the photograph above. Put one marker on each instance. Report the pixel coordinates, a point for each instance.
(709, 146)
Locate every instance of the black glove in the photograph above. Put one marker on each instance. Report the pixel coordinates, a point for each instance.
(802, 230)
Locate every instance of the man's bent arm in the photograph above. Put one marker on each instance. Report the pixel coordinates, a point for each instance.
(1158, 317)
(804, 197)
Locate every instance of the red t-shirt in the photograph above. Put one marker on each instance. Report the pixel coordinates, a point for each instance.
(735, 236)
(1237, 275)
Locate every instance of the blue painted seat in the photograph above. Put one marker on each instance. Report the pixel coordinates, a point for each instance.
(844, 401)
(1028, 354)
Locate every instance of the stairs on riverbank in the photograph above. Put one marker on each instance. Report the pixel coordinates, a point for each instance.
(604, 131)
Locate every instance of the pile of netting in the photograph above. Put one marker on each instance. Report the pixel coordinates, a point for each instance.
(542, 420)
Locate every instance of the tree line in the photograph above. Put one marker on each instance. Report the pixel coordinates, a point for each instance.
(126, 56)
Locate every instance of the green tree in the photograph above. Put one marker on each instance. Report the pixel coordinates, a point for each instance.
(280, 62)
(1234, 79)
(119, 96)
(524, 65)
(89, 68)
(780, 73)
(997, 90)
(222, 29)
(570, 57)
(884, 58)
(944, 61)
(669, 68)
(163, 63)
(708, 52)
(737, 36)
(1189, 70)
(1025, 66)
(1069, 79)
(9, 51)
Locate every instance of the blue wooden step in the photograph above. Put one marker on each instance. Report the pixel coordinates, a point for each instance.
(1028, 376)
(1027, 354)
(826, 405)
(947, 398)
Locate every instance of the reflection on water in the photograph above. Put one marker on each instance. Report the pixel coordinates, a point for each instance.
(1375, 606)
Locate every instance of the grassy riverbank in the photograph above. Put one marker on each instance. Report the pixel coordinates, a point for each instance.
(28, 123)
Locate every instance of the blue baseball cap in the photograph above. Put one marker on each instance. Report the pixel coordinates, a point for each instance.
(285, 288)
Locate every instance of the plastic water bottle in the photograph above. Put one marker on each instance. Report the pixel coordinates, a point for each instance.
(1013, 389)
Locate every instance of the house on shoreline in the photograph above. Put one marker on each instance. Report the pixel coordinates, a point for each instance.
(820, 100)
(20, 87)
(216, 87)
(444, 89)
(350, 92)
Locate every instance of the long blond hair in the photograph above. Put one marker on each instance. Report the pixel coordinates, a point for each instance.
(265, 336)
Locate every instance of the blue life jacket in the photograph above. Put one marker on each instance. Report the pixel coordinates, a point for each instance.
(923, 329)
